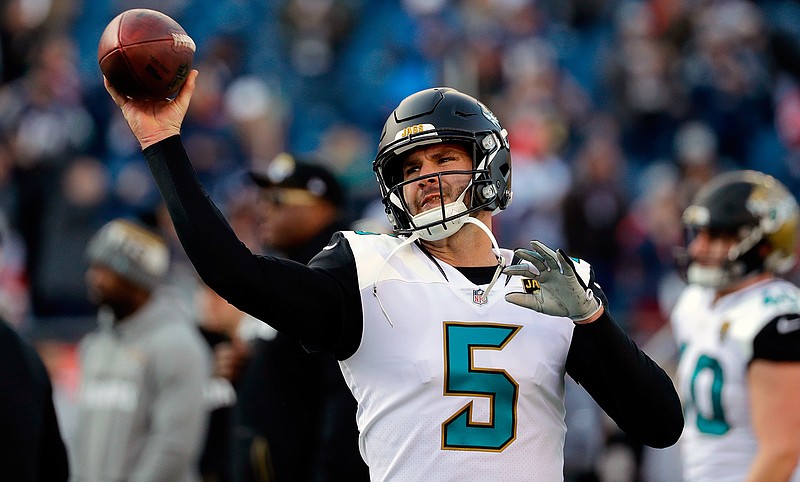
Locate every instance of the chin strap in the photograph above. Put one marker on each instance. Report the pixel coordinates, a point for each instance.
(435, 218)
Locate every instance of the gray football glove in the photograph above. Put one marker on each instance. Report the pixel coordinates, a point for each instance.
(553, 284)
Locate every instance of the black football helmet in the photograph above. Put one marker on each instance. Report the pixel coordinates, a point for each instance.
(759, 211)
(443, 115)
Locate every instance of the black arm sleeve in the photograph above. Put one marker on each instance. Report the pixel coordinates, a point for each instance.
(779, 340)
(311, 304)
(632, 389)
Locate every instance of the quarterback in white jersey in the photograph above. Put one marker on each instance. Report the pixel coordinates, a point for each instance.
(471, 380)
(456, 350)
(738, 332)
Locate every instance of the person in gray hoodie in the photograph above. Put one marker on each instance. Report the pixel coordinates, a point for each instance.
(141, 411)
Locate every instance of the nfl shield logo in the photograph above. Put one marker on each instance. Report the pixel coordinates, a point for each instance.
(477, 297)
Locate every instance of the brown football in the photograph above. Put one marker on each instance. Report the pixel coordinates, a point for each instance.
(145, 54)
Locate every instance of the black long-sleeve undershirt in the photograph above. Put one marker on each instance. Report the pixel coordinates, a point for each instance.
(283, 293)
(627, 384)
(303, 302)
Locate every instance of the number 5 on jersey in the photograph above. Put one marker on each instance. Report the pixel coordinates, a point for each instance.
(463, 378)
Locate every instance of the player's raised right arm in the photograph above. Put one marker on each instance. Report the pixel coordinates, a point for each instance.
(271, 289)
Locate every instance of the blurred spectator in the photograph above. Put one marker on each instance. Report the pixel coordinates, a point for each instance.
(31, 447)
(545, 176)
(647, 98)
(218, 324)
(258, 116)
(13, 280)
(74, 212)
(23, 25)
(697, 155)
(585, 439)
(314, 32)
(296, 431)
(646, 237)
(727, 75)
(208, 134)
(348, 152)
(595, 205)
(141, 410)
(44, 123)
(222, 326)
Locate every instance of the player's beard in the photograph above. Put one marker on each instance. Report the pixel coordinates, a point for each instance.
(444, 193)
(441, 219)
(120, 304)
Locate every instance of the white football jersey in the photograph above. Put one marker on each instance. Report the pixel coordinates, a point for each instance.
(716, 345)
(450, 387)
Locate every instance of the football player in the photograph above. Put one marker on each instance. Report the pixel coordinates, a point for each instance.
(455, 350)
(738, 329)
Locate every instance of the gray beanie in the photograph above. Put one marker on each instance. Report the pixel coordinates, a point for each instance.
(132, 251)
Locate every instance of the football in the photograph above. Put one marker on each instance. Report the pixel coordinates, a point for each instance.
(145, 54)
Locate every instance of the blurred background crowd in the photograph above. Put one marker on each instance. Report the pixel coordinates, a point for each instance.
(616, 110)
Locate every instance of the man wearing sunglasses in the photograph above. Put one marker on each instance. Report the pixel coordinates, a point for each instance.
(290, 430)
(301, 206)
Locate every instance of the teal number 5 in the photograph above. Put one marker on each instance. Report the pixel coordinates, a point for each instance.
(463, 378)
(716, 423)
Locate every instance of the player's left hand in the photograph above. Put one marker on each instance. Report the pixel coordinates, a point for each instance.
(153, 121)
(554, 284)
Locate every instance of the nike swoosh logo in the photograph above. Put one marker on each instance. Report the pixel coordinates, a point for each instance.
(785, 326)
(330, 246)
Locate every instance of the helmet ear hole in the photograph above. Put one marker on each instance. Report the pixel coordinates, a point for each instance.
(390, 216)
(485, 193)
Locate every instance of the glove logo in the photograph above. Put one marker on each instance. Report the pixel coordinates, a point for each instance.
(531, 286)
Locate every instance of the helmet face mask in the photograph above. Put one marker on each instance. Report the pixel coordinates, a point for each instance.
(721, 263)
(445, 219)
(443, 115)
(759, 217)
